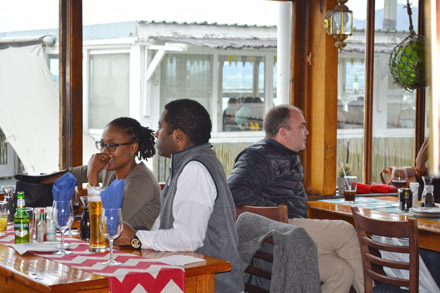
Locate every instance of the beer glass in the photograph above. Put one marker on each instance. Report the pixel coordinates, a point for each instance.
(97, 240)
(3, 217)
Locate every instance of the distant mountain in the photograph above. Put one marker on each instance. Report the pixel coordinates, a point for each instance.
(402, 23)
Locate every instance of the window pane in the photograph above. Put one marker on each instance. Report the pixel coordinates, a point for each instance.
(351, 92)
(393, 107)
(242, 80)
(109, 88)
(186, 76)
(26, 85)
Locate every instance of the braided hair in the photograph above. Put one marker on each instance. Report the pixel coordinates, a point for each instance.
(142, 135)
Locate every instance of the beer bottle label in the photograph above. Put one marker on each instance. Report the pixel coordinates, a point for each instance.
(21, 229)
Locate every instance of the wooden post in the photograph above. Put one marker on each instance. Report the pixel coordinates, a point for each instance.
(368, 104)
(314, 89)
(70, 34)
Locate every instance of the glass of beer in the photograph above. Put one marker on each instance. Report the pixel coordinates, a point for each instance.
(97, 240)
(350, 187)
(3, 217)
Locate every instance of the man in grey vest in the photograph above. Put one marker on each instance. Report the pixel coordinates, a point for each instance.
(197, 210)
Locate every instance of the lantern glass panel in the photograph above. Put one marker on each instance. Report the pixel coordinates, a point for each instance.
(336, 21)
(348, 23)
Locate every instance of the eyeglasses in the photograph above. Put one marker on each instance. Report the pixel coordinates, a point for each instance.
(111, 147)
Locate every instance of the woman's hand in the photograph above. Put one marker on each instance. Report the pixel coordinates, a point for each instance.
(126, 235)
(422, 157)
(97, 162)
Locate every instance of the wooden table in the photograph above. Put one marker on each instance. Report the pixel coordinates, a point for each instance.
(429, 230)
(30, 273)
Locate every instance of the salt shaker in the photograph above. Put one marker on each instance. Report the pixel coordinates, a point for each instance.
(415, 193)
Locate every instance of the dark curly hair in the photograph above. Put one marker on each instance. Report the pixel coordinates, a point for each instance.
(191, 117)
(142, 135)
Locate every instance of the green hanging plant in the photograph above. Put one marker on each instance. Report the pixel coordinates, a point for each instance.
(407, 60)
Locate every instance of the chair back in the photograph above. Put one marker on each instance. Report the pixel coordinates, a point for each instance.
(372, 262)
(279, 267)
(278, 213)
(385, 175)
(258, 268)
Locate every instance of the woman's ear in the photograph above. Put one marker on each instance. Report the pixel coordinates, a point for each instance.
(134, 147)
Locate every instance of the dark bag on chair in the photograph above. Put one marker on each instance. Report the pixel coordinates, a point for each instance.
(36, 194)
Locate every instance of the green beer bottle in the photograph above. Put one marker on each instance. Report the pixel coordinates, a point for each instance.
(21, 220)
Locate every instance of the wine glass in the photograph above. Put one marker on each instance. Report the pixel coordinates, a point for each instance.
(62, 215)
(399, 178)
(111, 225)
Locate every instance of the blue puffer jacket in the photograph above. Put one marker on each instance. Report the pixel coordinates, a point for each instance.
(269, 174)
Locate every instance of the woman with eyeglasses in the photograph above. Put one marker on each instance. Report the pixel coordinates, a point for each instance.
(122, 141)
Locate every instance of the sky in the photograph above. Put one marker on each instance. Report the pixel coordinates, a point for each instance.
(42, 14)
(17, 15)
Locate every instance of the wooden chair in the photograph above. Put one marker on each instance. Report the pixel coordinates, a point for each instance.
(279, 214)
(371, 259)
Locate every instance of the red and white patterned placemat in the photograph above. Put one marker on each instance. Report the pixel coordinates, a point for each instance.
(135, 274)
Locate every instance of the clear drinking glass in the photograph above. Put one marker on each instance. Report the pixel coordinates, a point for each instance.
(111, 225)
(8, 192)
(399, 178)
(350, 188)
(3, 218)
(62, 215)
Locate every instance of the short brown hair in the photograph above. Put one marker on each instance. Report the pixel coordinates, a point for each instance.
(277, 117)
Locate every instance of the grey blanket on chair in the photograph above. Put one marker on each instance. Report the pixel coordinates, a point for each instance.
(295, 256)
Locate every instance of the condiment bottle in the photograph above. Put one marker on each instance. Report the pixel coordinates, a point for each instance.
(84, 232)
(50, 227)
(415, 193)
(428, 196)
(41, 228)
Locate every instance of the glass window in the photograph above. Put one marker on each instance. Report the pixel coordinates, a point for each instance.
(242, 92)
(20, 143)
(393, 107)
(54, 67)
(186, 76)
(351, 92)
(108, 89)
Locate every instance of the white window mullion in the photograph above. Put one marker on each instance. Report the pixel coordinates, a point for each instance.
(216, 100)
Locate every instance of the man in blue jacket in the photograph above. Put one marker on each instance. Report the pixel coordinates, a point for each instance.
(269, 173)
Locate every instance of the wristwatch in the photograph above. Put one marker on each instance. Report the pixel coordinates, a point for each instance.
(135, 242)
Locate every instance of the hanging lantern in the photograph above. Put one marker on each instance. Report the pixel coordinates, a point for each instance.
(338, 23)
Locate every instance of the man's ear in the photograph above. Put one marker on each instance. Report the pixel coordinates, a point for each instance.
(178, 135)
(282, 132)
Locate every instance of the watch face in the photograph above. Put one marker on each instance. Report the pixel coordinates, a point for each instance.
(135, 242)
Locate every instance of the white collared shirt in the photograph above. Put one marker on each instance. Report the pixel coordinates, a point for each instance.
(192, 208)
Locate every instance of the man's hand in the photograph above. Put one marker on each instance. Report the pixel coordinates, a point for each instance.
(97, 162)
(126, 235)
